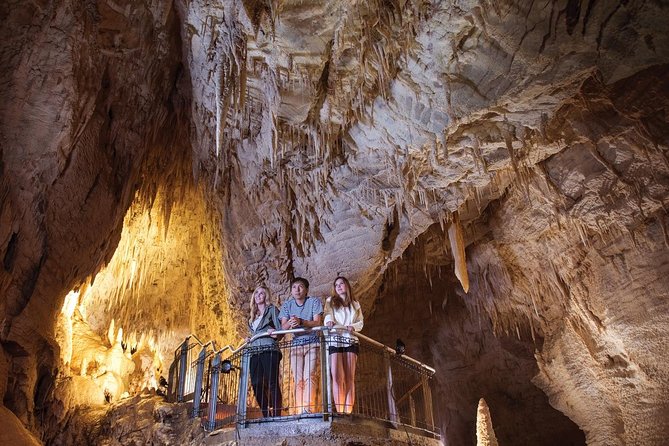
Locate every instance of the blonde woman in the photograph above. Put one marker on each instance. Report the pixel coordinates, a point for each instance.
(265, 353)
(344, 311)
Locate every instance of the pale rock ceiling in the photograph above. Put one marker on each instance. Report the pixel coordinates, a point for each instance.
(216, 145)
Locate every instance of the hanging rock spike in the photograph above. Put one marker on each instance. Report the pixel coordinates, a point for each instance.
(458, 249)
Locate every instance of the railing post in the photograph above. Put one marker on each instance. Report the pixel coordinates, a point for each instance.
(427, 396)
(213, 391)
(171, 378)
(243, 386)
(182, 371)
(392, 406)
(197, 396)
(326, 382)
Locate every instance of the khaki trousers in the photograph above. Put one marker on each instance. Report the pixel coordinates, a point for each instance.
(303, 364)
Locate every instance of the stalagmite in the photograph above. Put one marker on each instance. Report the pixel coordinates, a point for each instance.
(485, 434)
(458, 249)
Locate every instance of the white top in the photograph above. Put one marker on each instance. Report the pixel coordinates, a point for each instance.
(255, 323)
(344, 316)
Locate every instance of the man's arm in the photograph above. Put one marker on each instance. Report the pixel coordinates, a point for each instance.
(317, 309)
(284, 317)
(315, 322)
(284, 324)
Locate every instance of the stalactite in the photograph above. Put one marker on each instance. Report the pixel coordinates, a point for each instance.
(458, 249)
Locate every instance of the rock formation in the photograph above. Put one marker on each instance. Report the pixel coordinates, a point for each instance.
(485, 434)
(501, 168)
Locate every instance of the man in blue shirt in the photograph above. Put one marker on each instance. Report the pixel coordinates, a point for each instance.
(302, 311)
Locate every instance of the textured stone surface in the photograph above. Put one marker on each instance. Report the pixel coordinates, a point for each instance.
(485, 434)
(166, 157)
(422, 304)
(314, 431)
(13, 431)
(143, 419)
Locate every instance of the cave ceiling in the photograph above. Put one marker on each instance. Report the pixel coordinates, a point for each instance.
(372, 115)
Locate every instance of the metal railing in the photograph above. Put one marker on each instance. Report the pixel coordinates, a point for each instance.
(181, 378)
(390, 387)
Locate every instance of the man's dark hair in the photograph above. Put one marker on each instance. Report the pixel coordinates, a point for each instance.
(304, 281)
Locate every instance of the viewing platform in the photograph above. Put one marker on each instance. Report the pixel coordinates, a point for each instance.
(393, 403)
(344, 430)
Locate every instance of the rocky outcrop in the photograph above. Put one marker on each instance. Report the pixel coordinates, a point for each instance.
(163, 158)
(143, 419)
(86, 96)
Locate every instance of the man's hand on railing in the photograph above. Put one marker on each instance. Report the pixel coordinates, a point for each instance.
(294, 322)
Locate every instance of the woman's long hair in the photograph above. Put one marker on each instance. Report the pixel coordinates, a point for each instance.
(254, 306)
(336, 301)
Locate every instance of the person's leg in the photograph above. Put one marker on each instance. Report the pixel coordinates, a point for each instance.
(297, 368)
(264, 382)
(256, 379)
(274, 385)
(351, 362)
(337, 372)
(311, 376)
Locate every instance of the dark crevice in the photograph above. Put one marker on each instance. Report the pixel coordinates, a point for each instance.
(573, 11)
(10, 254)
(586, 17)
(390, 232)
(606, 22)
(321, 88)
(548, 34)
(28, 286)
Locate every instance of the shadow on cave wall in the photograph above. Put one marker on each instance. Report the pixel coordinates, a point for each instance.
(417, 302)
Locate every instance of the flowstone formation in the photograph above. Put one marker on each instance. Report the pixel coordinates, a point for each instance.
(498, 169)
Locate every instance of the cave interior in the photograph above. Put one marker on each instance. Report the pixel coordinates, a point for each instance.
(492, 176)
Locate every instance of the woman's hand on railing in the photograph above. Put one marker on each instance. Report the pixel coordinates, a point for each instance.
(270, 332)
(331, 324)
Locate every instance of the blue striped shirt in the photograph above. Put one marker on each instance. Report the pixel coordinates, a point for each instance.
(311, 307)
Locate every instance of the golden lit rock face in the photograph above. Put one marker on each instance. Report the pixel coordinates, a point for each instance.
(118, 333)
(164, 158)
(164, 279)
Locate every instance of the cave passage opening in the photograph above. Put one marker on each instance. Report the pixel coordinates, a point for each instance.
(117, 330)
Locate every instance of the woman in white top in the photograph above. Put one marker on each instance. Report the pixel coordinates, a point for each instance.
(344, 311)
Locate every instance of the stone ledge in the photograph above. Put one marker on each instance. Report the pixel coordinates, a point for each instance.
(349, 430)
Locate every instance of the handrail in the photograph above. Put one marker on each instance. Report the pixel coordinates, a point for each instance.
(204, 347)
(283, 332)
(187, 338)
(336, 328)
(392, 350)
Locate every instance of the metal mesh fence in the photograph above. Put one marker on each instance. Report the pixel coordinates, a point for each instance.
(290, 379)
(181, 380)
